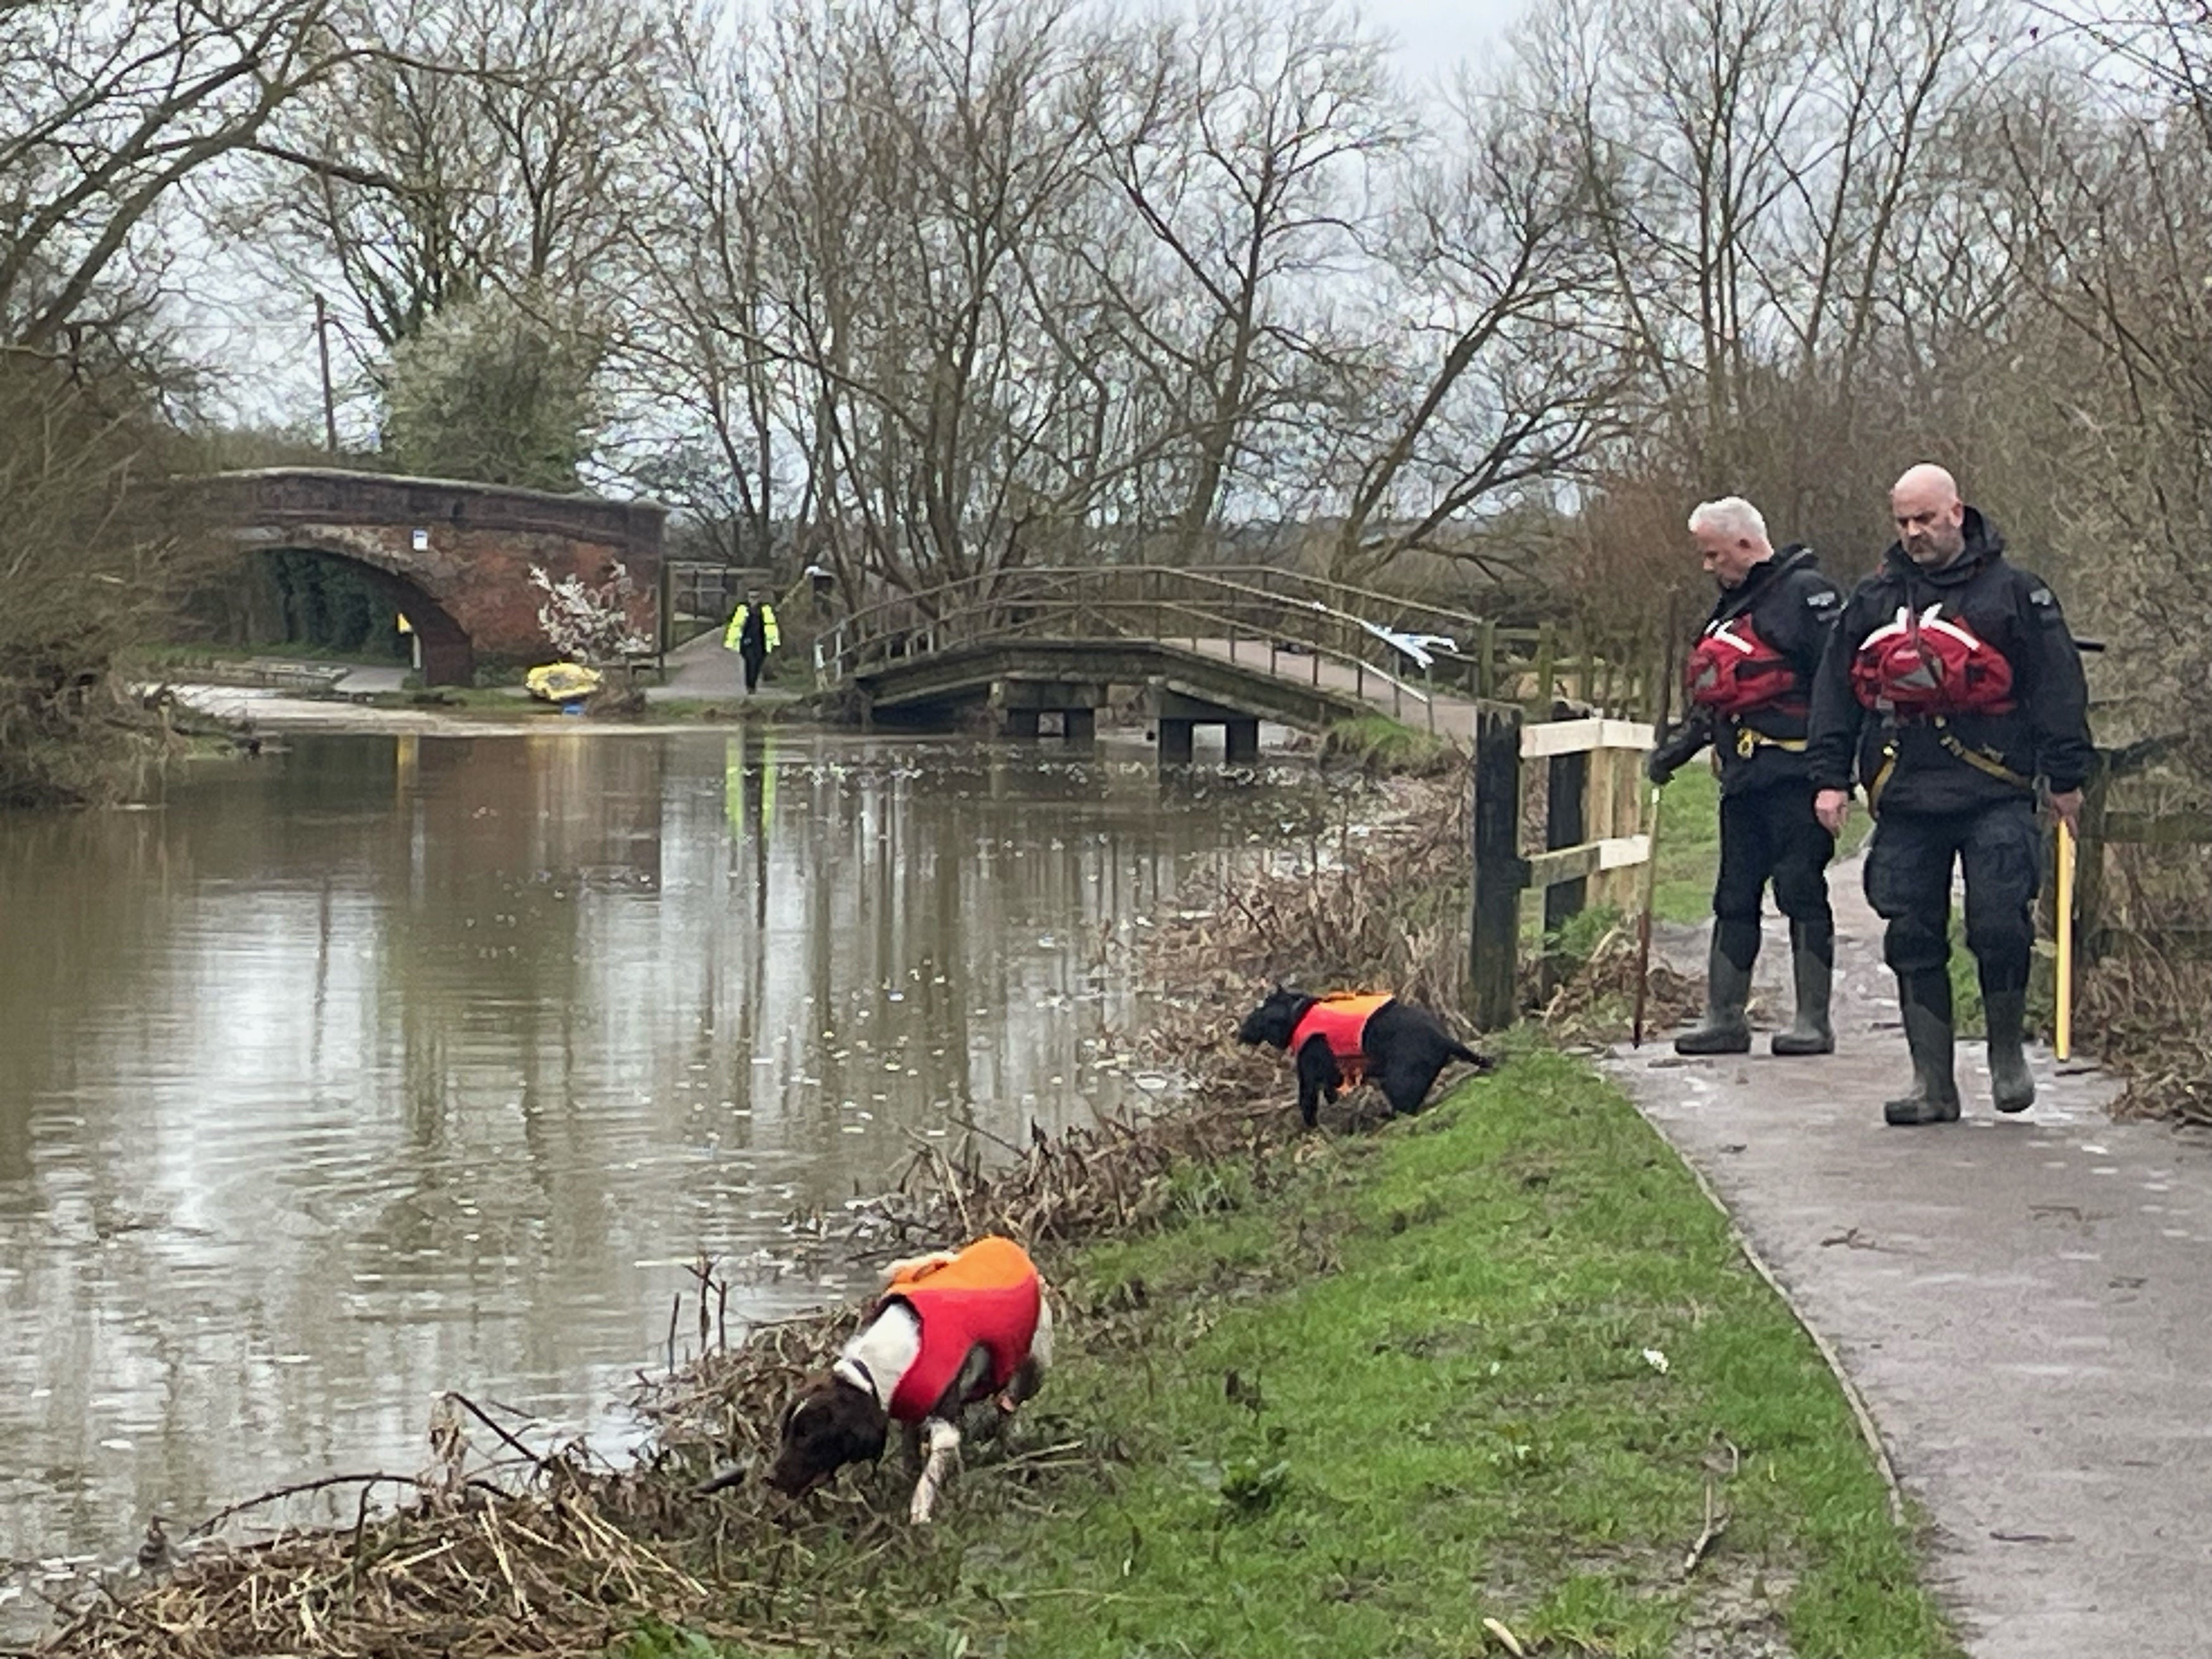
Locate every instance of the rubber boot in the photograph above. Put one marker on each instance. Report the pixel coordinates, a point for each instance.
(1812, 965)
(1925, 997)
(2012, 1086)
(1724, 1030)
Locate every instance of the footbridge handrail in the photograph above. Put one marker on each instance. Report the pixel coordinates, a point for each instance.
(1248, 608)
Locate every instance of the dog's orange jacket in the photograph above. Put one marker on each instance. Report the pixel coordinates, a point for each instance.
(1343, 1021)
(989, 1293)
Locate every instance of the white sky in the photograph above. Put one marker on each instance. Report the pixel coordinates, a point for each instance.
(1434, 35)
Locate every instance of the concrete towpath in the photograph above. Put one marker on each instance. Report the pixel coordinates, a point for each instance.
(704, 668)
(2026, 1304)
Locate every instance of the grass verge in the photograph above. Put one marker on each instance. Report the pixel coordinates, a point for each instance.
(1690, 844)
(1388, 747)
(1501, 1361)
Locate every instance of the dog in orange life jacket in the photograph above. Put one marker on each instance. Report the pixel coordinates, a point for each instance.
(1341, 1040)
(951, 1330)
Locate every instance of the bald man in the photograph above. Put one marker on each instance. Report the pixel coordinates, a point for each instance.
(1950, 686)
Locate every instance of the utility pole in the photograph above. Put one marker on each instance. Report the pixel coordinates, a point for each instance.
(329, 399)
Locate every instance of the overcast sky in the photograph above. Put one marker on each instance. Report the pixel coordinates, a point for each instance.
(262, 349)
(1434, 35)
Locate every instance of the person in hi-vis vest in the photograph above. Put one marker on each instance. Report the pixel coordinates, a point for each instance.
(752, 634)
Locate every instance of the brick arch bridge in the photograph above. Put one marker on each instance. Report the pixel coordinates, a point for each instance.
(455, 557)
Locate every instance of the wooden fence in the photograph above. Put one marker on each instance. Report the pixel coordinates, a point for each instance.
(2121, 808)
(1594, 840)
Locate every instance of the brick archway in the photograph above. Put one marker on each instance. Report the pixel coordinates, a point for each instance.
(456, 557)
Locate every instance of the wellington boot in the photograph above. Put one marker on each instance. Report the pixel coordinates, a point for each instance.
(2012, 1085)
(1812, 965)
(1925, 998)
(1725, 1030)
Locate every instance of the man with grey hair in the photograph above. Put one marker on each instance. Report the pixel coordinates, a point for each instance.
(1952, 685)
(1748, 682)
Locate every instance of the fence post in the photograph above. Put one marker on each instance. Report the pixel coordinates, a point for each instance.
(1486, 682)
(1547, 658)
(1494, 943)
(2089, 863)
(1567, 784)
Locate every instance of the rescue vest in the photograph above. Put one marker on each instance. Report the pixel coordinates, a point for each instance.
(1924, 663)
(1732, 671)
(1342, 1020)
(989, 1293)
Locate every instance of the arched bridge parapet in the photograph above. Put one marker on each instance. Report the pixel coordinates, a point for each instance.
(454, 555)
(1226, 645)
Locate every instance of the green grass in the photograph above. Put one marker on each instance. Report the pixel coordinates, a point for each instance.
(1690, 843)
(1406, 1390)
(1385, 745)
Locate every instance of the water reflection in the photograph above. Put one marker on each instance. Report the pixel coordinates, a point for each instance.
(389, 1065)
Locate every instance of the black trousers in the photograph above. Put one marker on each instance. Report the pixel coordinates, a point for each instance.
(753, 661)
(1771, 836)
(1908, 882)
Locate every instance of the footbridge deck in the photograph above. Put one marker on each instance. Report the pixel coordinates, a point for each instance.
(1226, 646)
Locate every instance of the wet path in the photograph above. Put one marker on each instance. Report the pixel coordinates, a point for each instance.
(2024, 1302)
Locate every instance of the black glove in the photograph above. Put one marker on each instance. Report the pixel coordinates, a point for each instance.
(1674, 750)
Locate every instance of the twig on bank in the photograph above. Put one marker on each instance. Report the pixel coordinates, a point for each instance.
(296, 1490)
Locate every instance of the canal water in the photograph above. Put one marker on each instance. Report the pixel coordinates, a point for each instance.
(385, 1064)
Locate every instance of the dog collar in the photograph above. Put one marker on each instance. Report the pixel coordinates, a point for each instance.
(845, 1369)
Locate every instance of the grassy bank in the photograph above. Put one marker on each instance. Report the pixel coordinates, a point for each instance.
(1404, 1391)
(1389, 747)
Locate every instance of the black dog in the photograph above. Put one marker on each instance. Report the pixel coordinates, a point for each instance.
(1341, 1040)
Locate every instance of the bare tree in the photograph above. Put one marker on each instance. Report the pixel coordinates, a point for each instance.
(1242, 138)
(105, 112)
(1507, 377)
(897, 246)
(490, 144)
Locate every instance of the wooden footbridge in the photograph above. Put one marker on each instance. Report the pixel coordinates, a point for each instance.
(1219, 646)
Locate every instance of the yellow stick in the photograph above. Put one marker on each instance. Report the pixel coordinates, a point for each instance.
(2064, 1045)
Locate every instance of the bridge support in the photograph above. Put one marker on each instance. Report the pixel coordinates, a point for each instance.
(1023, 703)
(1177, 715)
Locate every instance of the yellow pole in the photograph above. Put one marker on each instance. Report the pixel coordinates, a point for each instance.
(2064, 1045)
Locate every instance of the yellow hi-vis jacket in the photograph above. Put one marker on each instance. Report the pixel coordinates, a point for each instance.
(734, 634)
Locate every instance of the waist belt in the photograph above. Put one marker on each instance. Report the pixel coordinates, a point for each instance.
(1749, 743)
(1979, 760)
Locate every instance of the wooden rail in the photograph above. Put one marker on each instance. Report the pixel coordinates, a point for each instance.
(1590, 832)
(2105, 826)
(1254, 608)
(1211, 611)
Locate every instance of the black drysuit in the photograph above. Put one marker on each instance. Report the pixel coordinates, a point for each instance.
(1768, 832)
(1959, 786)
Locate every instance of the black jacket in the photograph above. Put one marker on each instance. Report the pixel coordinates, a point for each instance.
(1793, 606)
(2046, 733)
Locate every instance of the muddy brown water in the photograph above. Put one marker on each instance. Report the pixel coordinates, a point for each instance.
(390, 1064)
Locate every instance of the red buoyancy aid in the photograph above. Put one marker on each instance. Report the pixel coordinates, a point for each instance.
(1343, 1021)
(1925, 663)
(1732, 671)
(989, 1293)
